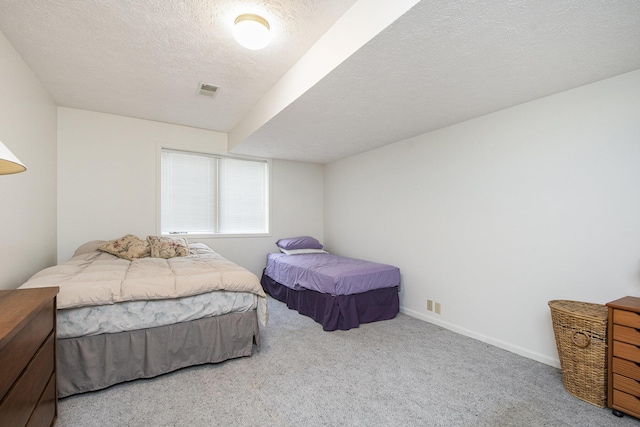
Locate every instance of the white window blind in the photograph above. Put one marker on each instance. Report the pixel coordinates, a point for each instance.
(206, 194)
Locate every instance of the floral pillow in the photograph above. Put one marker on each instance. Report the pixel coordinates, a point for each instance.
(168, 247)
(129, 247)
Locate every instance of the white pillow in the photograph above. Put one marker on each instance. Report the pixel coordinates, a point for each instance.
(302, 251)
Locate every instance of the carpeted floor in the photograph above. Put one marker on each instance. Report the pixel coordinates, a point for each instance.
(401, 372)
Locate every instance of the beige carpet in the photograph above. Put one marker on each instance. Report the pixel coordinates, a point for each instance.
(401, 372)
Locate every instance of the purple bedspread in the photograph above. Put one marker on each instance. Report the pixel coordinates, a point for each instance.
(330, 274)
(335, 312)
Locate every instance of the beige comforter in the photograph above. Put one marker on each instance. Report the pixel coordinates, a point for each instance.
(92, 277)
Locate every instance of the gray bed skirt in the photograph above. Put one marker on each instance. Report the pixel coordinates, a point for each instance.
(99, 361)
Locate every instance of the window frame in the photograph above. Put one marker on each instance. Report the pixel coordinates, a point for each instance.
(200, 151)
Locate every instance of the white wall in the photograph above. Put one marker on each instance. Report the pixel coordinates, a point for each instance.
(108, 185)
(496, 216)
(27, 199)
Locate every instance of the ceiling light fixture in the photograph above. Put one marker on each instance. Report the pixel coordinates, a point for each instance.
(252, 31)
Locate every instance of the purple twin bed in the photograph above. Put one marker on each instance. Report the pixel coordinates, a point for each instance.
(335, 291)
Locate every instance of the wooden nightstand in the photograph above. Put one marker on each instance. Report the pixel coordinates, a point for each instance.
(624, 356)
(28, 392)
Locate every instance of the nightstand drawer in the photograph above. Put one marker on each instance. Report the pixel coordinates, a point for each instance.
(626, 334)
(625, 367)
(626, 401)
(626, 351)
(627, 318)
(628, 385)
(23, 346)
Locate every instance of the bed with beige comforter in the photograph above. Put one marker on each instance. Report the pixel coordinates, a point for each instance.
(120, 320)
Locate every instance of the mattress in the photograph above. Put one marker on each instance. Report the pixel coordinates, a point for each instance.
(330, 274)
(134, 315)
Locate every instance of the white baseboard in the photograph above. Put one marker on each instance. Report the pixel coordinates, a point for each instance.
(471, 334)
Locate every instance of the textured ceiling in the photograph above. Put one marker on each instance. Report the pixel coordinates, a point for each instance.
(440, 63)
(445, 62)
(145, 59)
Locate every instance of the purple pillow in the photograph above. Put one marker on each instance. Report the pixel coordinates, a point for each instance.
(301, 242)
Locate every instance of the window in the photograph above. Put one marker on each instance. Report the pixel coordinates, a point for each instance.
(209, 194)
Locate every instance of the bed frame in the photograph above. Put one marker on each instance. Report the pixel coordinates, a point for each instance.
(95, 362)
(337, 312)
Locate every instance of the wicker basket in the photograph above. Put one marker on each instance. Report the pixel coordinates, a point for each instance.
(580, 329)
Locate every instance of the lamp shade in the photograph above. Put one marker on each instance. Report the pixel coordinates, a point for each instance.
(252, 31)
(8, 162)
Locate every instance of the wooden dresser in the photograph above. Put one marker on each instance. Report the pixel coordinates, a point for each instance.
(28, 392)
(624, 356)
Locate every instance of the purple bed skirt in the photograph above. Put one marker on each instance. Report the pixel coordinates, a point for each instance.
(334, 312)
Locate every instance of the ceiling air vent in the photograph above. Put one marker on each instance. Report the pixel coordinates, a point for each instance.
(207, 89)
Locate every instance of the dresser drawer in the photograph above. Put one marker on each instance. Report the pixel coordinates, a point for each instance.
(626, 384)
(46, 408)
(627, 318)
(626, 351)
(18, 404)
(626, 401)
(625, 367)
(626, 334)
(23, 346)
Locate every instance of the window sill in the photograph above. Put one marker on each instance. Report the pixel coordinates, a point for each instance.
(214, 235)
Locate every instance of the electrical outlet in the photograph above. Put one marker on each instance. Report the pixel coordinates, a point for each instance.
(429, 305)
(438, 307)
